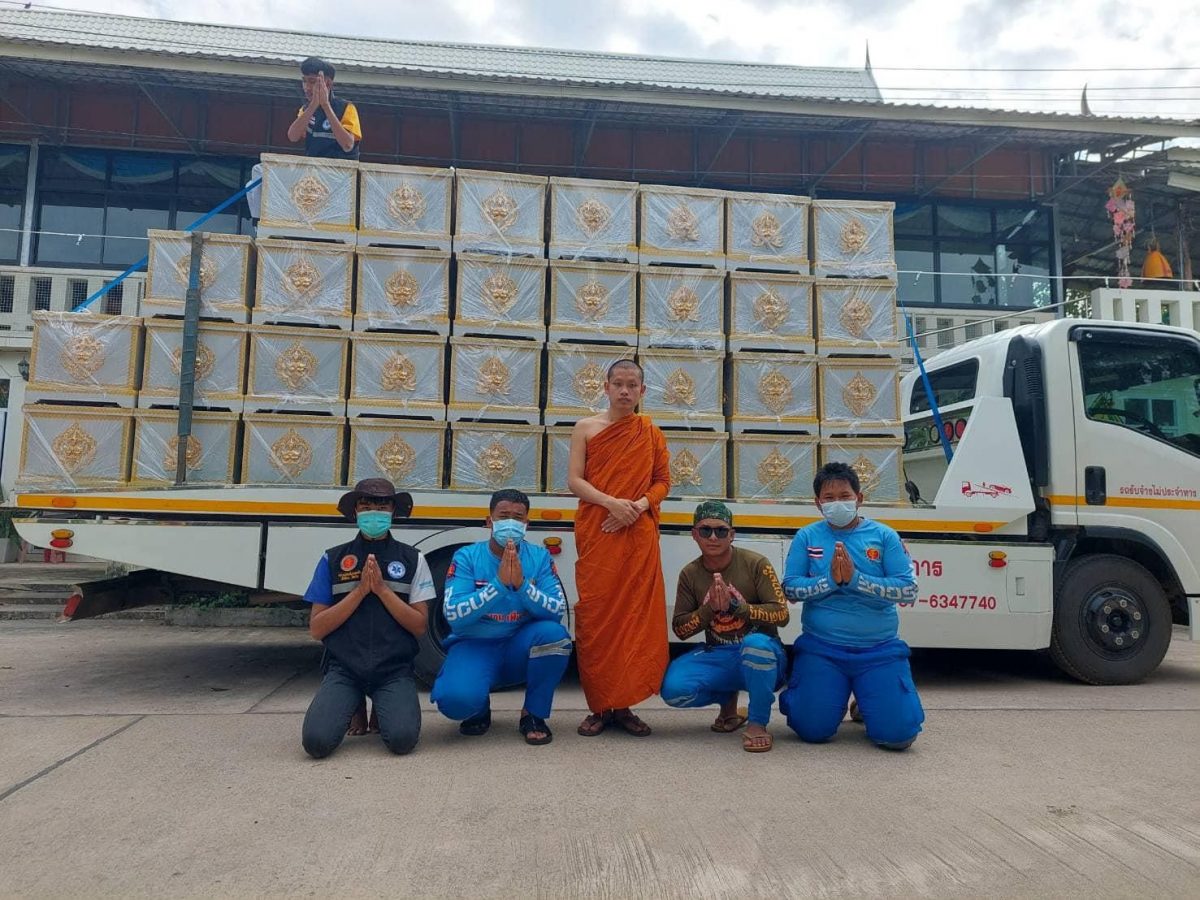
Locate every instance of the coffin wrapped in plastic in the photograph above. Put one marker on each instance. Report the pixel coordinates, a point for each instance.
(684, 386)
(297, 369)
(488, 457)
(224, 278)
(558, 452)
(495, 379)
(876, 460)
(397, 375)
(500, 213)
(306, 196)
(593, 301)
(682, 225)
(853, 238)
(296, 450)
(775, 391)
(697, 463)
(304, 283)
(405, 206)
(767, 231)
(501, 295)
(409, 454)
(84, 357)
(592, 219)
(770, 311)
(575, 381)
(857, 316)
(220, 364)
(211, 449)
(774, 466)
(403, 290)
(860, 396)
(682, 307)
(65, 447)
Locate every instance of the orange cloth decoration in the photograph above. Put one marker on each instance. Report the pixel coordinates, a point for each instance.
(1156, 265)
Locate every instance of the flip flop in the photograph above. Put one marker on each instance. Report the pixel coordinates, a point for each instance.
(476, 725)
(631, 724)
(728, 724)
(531, 723)
(757, 743)
(595, 724)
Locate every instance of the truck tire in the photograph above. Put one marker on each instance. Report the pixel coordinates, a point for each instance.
(431, 654)
(1112, 621)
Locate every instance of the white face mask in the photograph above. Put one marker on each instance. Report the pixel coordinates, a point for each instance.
(839, 513)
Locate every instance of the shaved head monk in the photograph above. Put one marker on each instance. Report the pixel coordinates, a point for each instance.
(618, 469)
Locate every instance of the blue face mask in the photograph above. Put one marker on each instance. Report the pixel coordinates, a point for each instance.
(374, 523)
(839, 513)
(505, 530)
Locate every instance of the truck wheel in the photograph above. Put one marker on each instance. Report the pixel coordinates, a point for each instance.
(1112, 621)
(431, 654)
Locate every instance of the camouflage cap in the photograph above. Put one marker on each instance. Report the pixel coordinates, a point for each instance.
(713, 509)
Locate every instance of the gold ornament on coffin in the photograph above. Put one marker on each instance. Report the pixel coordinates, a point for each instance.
(406, 204)
(683, 305)
(82, 355)
(500, 209)
(592, 216)
(592, 300)
(775, 391)
(496, 464)
(205, 360)
(499, 292)
(682, 224)
(859, 394)
(74, 449)
(401, 288)
(685, 468)
(310, 195)
(680, 389)
(775, 472)
(868, 473)
(291, 454)
(398, 374)
(854, 236)
(855, 316)
(192, 457)
(301, 278)
(766, 232)
(495, 378)
(396, 458)
(770, 309)
(296, 365)
(589, 383)
(208, 270)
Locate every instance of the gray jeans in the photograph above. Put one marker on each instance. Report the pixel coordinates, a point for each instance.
(395, 702)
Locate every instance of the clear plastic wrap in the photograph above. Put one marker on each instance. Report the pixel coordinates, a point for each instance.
(408, 454)
(490, 457)
(770, 312)
(877, 461)
(774, 390)
(684, 386)
(211, 447)
(575, 385)
(297, 369)
(767, 231)
(406, 205)
(774, 467)
(307, 194)
(86, 357)
(592, 219)
(296, 450)
(304, 282)
(857, 316)
(853, 238)
(681, 224)
(67, 447)
(593, 301)
(495, 379)
(403, 289)
(860, 395)
(224, 275)
(397, 375)
(220, 362)
(502, 296)
(500, 213)
(682, 307)
(697, 463)
(558, 453)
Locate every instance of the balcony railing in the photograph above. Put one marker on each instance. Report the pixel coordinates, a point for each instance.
(25, 290)
(1179, 308)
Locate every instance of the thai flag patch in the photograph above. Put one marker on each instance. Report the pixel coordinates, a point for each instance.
(816, 552)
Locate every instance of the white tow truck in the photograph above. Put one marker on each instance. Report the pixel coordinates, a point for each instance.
(1066, 516)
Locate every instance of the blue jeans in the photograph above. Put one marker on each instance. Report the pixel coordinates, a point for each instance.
(711, 674)
(395, 702)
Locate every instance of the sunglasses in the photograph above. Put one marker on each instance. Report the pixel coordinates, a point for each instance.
(708, 531)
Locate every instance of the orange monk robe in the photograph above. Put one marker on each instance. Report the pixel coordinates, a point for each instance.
(620, 618)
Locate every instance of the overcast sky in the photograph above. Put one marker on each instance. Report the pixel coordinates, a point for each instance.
(1106, 36)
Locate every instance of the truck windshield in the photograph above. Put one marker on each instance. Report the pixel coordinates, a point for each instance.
(1150, 385)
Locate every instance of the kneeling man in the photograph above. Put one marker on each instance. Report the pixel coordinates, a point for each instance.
(734, 596)
(504, 603)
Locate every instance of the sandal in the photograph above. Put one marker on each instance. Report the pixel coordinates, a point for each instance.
(531, 724)
(630, 723)
(476, 725)
(757, 743)
(728, 724)
(594, 724)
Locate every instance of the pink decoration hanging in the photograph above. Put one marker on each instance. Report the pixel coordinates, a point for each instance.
(1121, 210)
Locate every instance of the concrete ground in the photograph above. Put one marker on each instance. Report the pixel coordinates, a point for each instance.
(140, 760)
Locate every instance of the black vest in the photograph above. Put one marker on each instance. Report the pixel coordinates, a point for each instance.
(319, 139)
(371, 643)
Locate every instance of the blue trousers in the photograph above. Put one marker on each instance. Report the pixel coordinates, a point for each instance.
(711, 674)
(823, 677)
(536, 654)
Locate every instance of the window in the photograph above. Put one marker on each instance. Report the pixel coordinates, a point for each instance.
(40, 296)
(114, 299)
(14, 165)
(953, 384)
(945, 334)
(77, 292)
(8, 290)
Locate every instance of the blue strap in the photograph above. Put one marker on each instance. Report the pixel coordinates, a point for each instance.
(140, 264)
(937, 415)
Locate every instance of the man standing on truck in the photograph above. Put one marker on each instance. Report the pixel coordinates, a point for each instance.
(618, 468)
(850, 573)
(368, 601)
(505, 605)
(734, 597)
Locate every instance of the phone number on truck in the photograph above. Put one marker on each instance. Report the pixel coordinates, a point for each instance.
(955, 601)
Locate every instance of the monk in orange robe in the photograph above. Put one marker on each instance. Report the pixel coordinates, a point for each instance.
(618, 468)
